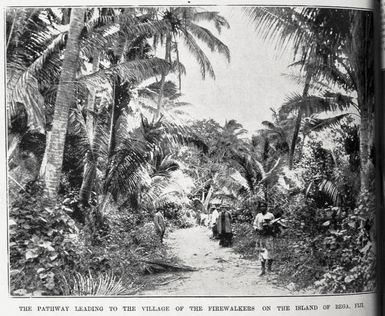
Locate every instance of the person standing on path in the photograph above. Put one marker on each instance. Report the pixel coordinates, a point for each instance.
(263, 225)
(160, 225)
(213, 223)
(224, 227)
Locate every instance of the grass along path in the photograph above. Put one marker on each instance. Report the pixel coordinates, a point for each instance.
(220, 271)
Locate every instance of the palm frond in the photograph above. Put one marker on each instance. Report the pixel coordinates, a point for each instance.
(18, 75)
(314, 124)
(93, 141)
(315, 85)
(338, 101)
(332, 72)
(177, 66)
(213, 17)
(153, 89)
(167, 165)
(269, 125)
(209, 39)
(283, 26)
(127, 24)
(313, 104)
(24, 82)
(32, 100)
(199, 55)
(89, 285)
(136, 70)
(331, 190)
(127, 167)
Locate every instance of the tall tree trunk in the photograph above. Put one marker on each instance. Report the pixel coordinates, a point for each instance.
(64, 100)
(298, 120)
(160, 97)
(112, 121)
(179, 67)
(43, 165)
(89, 176)
(302, 146)
(207, 199)
(163, 78)
(89, 173)
(364, 149)
(363, 59)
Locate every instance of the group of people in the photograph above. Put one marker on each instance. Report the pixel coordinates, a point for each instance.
(263, 224)
(221, 226)
(220, 223)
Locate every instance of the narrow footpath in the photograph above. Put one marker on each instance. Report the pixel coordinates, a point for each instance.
(220, 271)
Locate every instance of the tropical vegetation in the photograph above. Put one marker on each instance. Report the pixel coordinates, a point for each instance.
(97, 144)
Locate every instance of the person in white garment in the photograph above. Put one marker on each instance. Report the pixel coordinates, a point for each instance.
(213, 223)
(263, 225)
(160, 225)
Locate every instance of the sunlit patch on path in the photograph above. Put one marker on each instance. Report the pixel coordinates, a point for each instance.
(220, 271)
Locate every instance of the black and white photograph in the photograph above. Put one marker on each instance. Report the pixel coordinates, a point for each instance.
(192, 151)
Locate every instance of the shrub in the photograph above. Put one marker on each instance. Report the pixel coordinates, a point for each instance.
(43, 241)
(330, 248)
(244, 239)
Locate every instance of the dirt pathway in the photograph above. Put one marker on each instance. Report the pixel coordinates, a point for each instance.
(220, 271)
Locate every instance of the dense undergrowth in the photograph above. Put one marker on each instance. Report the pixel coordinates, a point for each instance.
(51, 254)
(327, 250)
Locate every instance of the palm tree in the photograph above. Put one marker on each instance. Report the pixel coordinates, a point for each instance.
(276, 134)
(144, 171)
(128, 66)
(183, 23)
(172, 107)
(306, 105)
(64, 100)
(328, 40)
(33, 63)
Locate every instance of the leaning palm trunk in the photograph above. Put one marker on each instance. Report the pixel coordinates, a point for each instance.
(111, 139)
(64, 100)
(298, 120)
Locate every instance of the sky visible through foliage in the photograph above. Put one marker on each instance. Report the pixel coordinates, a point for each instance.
(245, 89)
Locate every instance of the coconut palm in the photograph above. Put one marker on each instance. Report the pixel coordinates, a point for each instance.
(326, 40)
(183, 24)
(309, 105)
(64, 100)
(33, 63)
(143, 171)
(127, 67)
(274, 135)
(135, 70)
